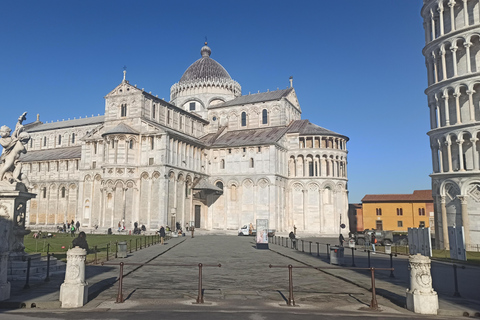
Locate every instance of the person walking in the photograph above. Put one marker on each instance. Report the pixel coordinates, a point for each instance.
(80, 241)
(373, 241)
(341, 239)
(292, 237)
(192, 229)
(77, 225)
(162, 235)
(72, 230)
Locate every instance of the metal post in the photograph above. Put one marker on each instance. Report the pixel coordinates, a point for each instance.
(108, 246)
(291, 300)
(96, 255)
(48, 248)
(318, 249)
(456, 293)
(130, 245)
(373, 303)
(282, 241)
(391, 266)
(310, 247)
(116, 249)
(353, 257)
(120, 285)
(200, 293)
(328, 251)
(48, 268)
(302, 246)
(136, 241)
(27, 286)
(140, 243)
(368, 251)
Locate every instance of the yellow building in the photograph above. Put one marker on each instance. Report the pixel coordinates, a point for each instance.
(398, 212)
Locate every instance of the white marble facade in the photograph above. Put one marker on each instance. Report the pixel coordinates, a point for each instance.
(211, 156)
(452, 56)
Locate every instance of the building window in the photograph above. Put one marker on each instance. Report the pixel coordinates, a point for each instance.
(59, 139)
(168, 116)
(63, 192)
(123, 110)
(244, 149)
(66, 165)
(73, 137)
(399, 224)
(94, 148)
(421, 211)
(44, 141)
(152, 143)
(154, 111)
(181, 123)
(399, 212)
(150, 161)
(94, 164)
(229, 150)
(264, 116)
(131, 144)
(379, 211)
(192, 106)
(44, 192)
(234, 192)
(422, 224)
(252, 163)
(310, 168)
(244, 119)
(219, 185)
(222, 164)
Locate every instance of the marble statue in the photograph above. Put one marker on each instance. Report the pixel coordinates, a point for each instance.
(13, 146)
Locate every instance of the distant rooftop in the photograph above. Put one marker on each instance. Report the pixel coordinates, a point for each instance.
(52, 154)
(65, 124)
(418, 195)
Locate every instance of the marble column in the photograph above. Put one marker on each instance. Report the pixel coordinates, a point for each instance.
(465, 220)
(446, 243)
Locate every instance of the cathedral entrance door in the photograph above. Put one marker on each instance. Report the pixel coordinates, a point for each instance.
(197, 216)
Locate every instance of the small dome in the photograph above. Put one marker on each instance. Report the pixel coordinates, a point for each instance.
(205, 68)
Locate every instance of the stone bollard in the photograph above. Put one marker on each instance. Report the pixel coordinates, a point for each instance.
(74, 290)
(421, 298)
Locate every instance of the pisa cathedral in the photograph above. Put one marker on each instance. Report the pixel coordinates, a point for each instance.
(211, 157)
(452, 56)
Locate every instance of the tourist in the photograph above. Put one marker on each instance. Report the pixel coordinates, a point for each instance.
(292, 237)
(192, 229)
(80, 241)
(373, 241)
(341, 239)
(77, 225)
(119, 226)
(162, 235)
(72, 230)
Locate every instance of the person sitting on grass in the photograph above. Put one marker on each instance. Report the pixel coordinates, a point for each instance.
(80, 241)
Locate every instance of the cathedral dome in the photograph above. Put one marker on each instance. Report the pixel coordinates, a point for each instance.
(205, 69)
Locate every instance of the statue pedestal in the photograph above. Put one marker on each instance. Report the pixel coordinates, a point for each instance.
(421, 298)
(13, 205)
(4, 284)
(74, 290)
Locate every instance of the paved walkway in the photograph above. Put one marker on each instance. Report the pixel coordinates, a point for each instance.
(243, 279)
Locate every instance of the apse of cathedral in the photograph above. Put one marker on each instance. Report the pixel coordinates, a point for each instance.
(210, 157)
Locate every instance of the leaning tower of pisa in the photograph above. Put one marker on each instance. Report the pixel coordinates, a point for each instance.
(452, 56)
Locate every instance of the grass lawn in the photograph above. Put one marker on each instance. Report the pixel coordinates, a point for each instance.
(61, 242)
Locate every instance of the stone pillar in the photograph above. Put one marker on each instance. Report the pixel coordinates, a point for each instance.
(443, 206)
(451, 4)
(421, 298)
(74, 290)
(454, 60)
(469, 62)
(4, 284)
(465, 220)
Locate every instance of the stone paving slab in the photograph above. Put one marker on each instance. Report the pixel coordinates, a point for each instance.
(243, 278)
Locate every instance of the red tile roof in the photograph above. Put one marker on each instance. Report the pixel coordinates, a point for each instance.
(417, 196)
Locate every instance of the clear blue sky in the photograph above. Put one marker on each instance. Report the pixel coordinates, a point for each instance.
(357, 66)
